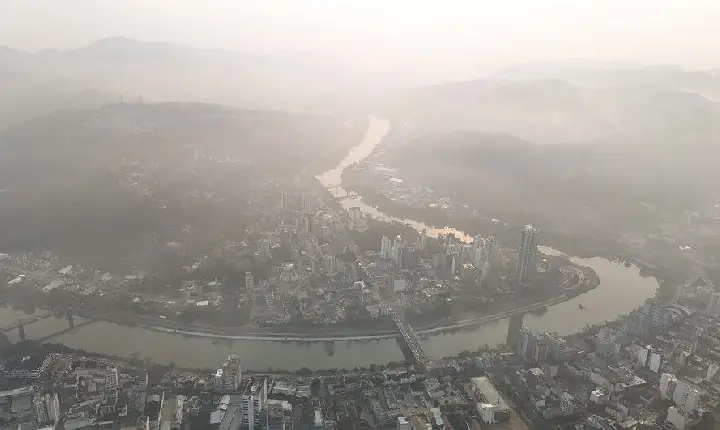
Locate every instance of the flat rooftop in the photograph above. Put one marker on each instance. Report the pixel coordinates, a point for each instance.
(489, 393)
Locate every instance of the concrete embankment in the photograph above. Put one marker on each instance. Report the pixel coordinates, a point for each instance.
(310, 337)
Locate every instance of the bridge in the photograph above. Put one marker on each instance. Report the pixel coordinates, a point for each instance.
(22, 322)
(411, 342)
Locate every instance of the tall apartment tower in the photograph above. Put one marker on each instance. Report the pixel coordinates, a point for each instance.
(264, 250)
(285, 200)
(249, 281)
(713, 306)
(229, 375)
(398, 251)
(386, 248)
(526, 255)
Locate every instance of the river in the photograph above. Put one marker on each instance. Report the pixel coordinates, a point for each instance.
(601, 304)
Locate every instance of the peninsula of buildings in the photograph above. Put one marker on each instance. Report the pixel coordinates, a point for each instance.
(307, 268)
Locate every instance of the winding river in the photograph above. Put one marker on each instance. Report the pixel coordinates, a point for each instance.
(600, 304)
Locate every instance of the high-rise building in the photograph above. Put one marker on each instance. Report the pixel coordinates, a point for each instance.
(398, 251)
(463, 253)
(227, 377)
(684, 394)
(385, 248)
(484, 254)
(254, 399)
(492, 251)
(713, 307)
(249, 281)
(541, 350)
(658, 316)
(454, 265)
(264, 250)
(355, 217)
(422, 240)
(533, 347)
(453, 249)
(311, 203)
(526, 342)
(329, 264)
(526, 255)
(285, 200)
(310, 222)
(47, 408)
(449, 239)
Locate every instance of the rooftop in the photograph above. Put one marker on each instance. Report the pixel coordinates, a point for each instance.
(489, 393)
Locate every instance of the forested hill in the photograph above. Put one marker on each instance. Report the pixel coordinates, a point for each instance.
(103, 184)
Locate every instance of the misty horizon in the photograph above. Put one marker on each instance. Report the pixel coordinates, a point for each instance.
(447, 41)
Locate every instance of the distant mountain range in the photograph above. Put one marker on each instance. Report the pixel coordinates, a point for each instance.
(602, 74)
(126, 69)
(663, 105)
(554, 102)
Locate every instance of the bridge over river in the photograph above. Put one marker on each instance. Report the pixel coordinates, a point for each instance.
(23, 322)
(411, 343)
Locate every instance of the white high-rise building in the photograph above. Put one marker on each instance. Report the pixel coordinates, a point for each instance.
(264, 249)
(684, 394)
(526, 255)
(484, 254)
(422, 240)
(385, 248)
(285, 200)
(227, 377)
(398, 251)
(355, 218)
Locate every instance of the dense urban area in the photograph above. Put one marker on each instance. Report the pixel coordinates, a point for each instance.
(517, 252)
(314, 269)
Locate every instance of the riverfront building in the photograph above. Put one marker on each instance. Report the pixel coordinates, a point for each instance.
(526, 255)
(227, 377)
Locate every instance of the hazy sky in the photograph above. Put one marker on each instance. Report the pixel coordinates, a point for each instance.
(387, 31)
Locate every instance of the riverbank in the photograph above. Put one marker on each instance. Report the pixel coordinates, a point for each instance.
(466, 332)
(667, 269)
(446, 325)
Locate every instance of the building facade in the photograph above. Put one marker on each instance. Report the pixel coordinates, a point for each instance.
(526, 255)
(229, 375)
